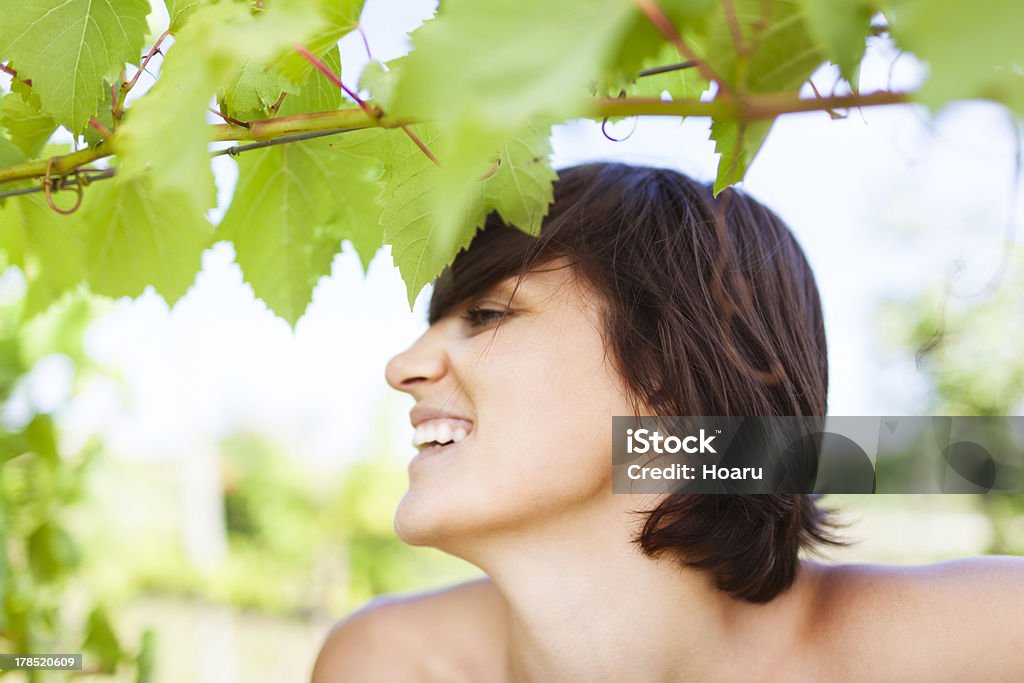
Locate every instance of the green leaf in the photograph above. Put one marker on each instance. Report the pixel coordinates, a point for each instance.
(340, 17)
(180, 10)
(319, 94)
(293, 206)
(252, 91)
(738, 144)
(9, 152)
(47, 247)
(973, 50)
(104, 115)
(782, 55)
(521, 189)
(145, 661)
(51, 552)
(683, 84)
(415, 208)
(643, 46)
(66, 49)
(42, 439)
(101, 641)
(380, 81)
(138, 235)
(166, 130)
(508, 60)
(29, 128)
(842, 27)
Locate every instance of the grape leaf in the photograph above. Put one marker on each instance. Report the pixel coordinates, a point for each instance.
(9, 152)
(842, 27)
(104, 115)
(180, 10)
(520, 189)
(643, 46)
(506, 61)
(166, 130)
(293, 206)
(252, 91)
(138, 235)
(682, 84)
(380, 81)
(28, 127)
(469, 73)
(737, 143)
(47, 246)
(972, 49)
(340, 17)
(66, 49)
(782, 54)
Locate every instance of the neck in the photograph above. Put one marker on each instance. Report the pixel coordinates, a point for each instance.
(583, 603)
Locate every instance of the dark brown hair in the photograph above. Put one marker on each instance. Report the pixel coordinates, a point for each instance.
(711, 309)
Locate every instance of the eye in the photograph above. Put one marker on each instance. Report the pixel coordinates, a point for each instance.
(478, 317)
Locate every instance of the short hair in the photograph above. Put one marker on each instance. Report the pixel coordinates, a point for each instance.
(712, 309)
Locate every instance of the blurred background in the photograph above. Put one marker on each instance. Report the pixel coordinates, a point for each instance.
(211, 490)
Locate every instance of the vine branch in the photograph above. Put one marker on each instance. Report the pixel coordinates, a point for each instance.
(752, 108)
(126, 86)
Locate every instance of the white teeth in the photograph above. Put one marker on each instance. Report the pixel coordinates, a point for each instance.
(444, 433)
(441, 431)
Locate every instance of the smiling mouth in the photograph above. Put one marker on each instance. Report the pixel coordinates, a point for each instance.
(436, 434)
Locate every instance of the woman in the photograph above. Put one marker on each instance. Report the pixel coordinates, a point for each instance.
(643, 295)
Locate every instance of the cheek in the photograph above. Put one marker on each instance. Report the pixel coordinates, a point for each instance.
(555, 416)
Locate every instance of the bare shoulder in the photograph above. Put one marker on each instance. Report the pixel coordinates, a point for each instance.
(956, 620)
(452, 634)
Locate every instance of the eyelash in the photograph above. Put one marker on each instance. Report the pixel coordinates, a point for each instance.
(478, 317)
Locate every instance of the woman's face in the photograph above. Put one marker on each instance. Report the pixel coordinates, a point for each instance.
(534, 397)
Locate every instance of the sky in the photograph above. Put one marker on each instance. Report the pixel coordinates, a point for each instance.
(885, 203)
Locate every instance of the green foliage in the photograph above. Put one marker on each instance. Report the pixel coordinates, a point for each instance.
(778, 55)
(47, 247)
(295, 204)
(485, 81)
(28, 127)
(217, 40)
(843, 27)
(137, 236)
(973, 366)
(40, 488)
(68, 49)
(986, 63)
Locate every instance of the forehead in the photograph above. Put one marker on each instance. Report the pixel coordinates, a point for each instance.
(550, 278)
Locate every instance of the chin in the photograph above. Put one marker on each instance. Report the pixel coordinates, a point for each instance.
(418, 521)
(434, 522)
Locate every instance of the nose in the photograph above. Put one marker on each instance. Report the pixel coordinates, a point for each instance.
(422, 363)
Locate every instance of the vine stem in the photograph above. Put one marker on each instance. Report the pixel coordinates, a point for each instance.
(752, 108)
(100, 128)
(335, 79)
(734, 29)
(372, 112)
(127, 86)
